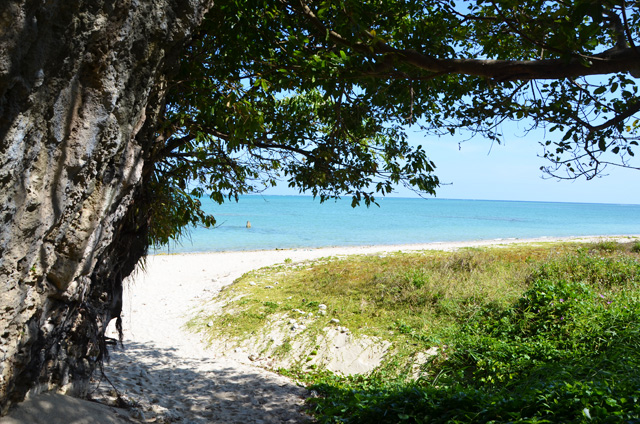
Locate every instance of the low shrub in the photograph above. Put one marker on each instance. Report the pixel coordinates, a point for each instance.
(567, 350)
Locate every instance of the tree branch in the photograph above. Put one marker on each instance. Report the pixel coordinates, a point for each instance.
(509, 70)
(618, 118)
(620, 60)
(627, 30)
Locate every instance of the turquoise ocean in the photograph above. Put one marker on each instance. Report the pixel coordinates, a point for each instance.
(286, 222)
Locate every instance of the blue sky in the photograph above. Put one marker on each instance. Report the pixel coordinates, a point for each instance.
(511, 171)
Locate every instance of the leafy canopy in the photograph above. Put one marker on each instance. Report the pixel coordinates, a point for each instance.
(322, 94)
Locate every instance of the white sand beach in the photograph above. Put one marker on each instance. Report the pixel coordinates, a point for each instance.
(169, 374)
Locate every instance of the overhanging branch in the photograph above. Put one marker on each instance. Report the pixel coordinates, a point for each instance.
(618, 60)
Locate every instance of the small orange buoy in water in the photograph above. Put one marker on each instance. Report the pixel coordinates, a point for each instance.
(248, 224)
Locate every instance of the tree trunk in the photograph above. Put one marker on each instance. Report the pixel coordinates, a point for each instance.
(81, 90)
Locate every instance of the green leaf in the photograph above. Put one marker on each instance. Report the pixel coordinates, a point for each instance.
(600, 90)
(602, 144)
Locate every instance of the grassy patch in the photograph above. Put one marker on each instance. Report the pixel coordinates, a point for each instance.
(520, 334)
(402, 298)
(567, 350)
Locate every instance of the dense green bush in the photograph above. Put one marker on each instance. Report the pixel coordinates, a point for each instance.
(568, 350)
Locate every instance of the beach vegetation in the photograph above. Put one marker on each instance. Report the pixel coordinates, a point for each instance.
(528, 333)
(323, 96)
(608, 245)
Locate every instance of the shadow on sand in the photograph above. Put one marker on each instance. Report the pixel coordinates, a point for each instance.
(163, 383)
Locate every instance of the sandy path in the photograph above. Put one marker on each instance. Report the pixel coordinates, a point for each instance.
(169, 372)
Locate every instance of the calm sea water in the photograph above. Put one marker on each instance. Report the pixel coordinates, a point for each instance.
(300, 221)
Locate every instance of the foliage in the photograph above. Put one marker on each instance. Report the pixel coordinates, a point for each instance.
(566, 351)
(323, 94)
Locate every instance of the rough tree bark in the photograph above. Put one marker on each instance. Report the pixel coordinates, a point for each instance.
(81, 88)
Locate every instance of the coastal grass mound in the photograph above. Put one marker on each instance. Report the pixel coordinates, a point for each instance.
(526, 333)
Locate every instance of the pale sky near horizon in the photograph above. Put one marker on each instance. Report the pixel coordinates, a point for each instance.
(511, 171)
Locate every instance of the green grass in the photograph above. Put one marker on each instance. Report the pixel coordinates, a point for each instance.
(524, 334)
(398, 297)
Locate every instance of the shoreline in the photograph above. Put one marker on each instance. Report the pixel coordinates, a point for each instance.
(434, 245)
